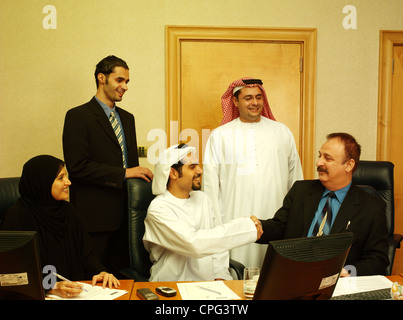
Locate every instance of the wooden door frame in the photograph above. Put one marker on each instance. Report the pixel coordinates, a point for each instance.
(387, 39)
(306, 36)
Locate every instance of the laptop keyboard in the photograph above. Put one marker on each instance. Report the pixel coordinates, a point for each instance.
(381, 294)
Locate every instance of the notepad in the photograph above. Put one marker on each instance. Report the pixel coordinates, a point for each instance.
(206, 290)
(92, 293)
(349, 285)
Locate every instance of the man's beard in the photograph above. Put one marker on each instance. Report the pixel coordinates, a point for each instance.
(196, 187)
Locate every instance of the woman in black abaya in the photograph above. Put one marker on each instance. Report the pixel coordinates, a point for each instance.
(63, 243)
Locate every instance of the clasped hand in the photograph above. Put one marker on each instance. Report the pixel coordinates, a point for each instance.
(258, 226)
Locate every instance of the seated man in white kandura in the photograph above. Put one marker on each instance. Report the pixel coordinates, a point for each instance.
(182, 235)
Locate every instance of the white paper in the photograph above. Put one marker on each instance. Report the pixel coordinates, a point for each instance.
(92, 293)
(349, 285)
(206, 290)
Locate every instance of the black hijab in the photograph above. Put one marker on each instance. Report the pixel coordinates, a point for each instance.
(37, 178)
(62, 241)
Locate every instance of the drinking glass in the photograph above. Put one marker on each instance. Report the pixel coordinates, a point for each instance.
(396, 292)
(250, 279)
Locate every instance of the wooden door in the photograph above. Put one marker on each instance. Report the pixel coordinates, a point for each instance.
(202, 62)
(396, 138)
(390, 118)
(209, 67)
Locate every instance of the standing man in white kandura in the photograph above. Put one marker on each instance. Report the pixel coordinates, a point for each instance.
(250, 162)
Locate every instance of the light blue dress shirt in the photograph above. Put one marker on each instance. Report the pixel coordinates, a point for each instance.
(335, 204)
(108, 112)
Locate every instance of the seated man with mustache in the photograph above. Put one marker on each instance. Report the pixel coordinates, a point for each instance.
(352, 209)
(182, 235)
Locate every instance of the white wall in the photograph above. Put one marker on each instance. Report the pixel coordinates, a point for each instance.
(46, 72)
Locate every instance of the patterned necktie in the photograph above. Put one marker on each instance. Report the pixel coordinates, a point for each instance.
(118, 132)
(326, 217)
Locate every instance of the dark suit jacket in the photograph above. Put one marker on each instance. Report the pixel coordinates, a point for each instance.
(363, 213)
(95, 166)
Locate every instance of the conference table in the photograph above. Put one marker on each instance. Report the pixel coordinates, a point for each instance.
(131, 287)
(235, 285)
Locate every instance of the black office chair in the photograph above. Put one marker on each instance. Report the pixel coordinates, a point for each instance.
(9, 194)
(377, 177)
(139, 198)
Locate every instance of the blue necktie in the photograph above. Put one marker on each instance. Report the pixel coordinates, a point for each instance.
(325, 218)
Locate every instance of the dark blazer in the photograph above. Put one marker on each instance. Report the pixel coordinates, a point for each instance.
(95, 166)
(360, 213)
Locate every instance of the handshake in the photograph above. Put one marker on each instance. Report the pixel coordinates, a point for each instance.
(258, 226)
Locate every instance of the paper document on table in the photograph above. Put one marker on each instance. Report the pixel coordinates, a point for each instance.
(349, 285)
(206, 290)
(93, 293)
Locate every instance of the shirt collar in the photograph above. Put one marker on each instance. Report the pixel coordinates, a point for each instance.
(340, 194)
(107, 110)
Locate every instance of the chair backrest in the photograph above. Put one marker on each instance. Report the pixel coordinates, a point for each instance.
(9, 194)
(139, 197)
(377, 177)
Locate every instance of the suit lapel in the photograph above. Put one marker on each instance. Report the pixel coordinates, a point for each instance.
(103, 120)
(347, 211)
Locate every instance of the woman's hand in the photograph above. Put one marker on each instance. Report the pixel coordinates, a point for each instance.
(66, 289)
(108, 279)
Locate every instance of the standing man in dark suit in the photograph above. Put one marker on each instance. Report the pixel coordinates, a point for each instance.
(99, 160)
(352, 209)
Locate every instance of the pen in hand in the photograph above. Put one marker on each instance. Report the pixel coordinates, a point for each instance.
(65, 279)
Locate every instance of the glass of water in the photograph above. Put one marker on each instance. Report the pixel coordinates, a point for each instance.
(250, 279)
(396, 292)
